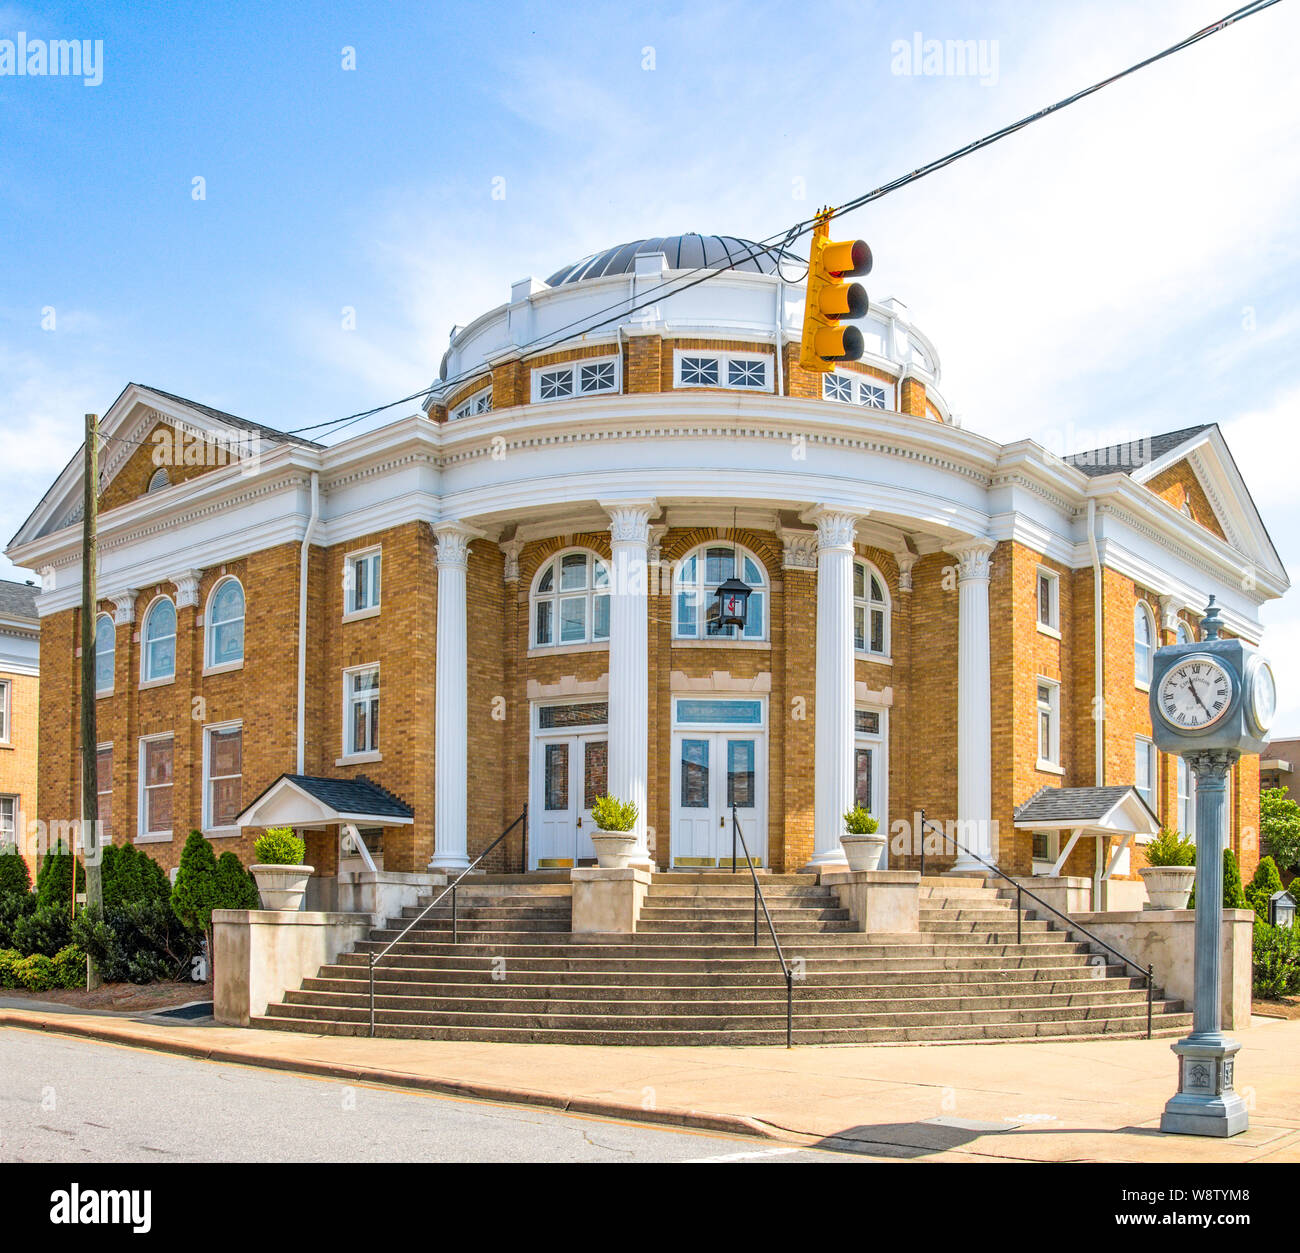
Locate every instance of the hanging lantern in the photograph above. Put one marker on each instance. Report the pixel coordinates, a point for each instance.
(730, 605)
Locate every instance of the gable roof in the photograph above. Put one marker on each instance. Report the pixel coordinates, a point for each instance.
(312, 800)
(1081, 807)
(243, 424)
(18, 601)
(1134, 455)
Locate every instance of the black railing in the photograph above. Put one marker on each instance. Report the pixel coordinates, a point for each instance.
(1148, 973)
(376, 958)
(738, 834)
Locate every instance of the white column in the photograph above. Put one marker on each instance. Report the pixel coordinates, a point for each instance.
(451, 703)
(833, 729)
(974, 708)
(629, 661)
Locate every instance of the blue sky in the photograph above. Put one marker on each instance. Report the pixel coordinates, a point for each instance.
(1129, 266)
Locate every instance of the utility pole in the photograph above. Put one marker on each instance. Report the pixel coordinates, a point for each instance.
(89, 736)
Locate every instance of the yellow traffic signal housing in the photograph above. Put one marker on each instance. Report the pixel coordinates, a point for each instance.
(830, 299)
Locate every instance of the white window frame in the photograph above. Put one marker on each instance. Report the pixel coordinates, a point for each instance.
(366, 754)
(589, 593)
(104, 785)
(9, 835)
(146, 679)
(144, 836)
(111, 651)
(857, 389)
(471, 406)
(1142, 674)
(374, 580)
(1186, 799)
(704, 594)
(574, 369)
(6, 711)
(1144, 747)
(1039, 865)
(236, 724)
(1051, 625)
(1184, 634)
(1052, 708)
(724, 360)
(210, 635)
(879, 741)
(869, 606)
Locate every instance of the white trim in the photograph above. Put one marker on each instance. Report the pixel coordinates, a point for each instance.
(350, 582)
(147, 680)
(724, 358)
(112, 626)
(589, 593)
(209, 830)
(1144, 611)
(1051, 625)
(879, 766)
(348, 671)
(1153, 762)
(7, 709)
(574, 370)
(209, 635)
(1052, 762)
(476, 402)
(142, 835)
(865, 602)
(857, 382)
(700, 585)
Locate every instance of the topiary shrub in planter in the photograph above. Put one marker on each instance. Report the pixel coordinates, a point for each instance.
(1170, 872)
(279, 870)
(615, 836)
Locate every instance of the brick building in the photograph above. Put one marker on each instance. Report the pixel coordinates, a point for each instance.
(505, 598)
(19, 697)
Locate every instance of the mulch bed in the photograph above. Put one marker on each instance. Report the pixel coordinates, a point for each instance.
(1288, 1007)
(131, 997)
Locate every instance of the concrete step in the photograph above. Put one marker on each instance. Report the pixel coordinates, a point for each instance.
(741, 913)
(766, 879)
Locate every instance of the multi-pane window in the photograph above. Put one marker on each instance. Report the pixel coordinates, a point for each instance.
(868, 747)
(104, 789)
(361, 710)
(479, 402)
(1184, 633)
(1144, 634)
(223, 775)
(1186, 799)
(225, 624)
(870, 610)
(588, 377)
(1049, 610)
(698, 577)
(570, 602)
(1049, 723)
(8, 822)
(742, 371)
(160, 641)
(361, 581)
(6, 712)
(156, 787)
(105, 639)
(1144, 769)
(848, 389)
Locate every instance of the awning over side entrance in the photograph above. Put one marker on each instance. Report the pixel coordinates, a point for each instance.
(1089, 811)
(303, 800)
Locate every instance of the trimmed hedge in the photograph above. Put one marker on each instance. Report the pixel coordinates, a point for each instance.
(1276, 961)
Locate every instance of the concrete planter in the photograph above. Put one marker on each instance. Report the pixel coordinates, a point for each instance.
(862, 851)
(613, 848)
(282, 887)
(1168, 887)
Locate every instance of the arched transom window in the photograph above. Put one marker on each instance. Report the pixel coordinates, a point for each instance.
(159, 659)
(695, 581)
(870, 610)
(1144, 636)
(225, 623)
(570, 600)
(105, 639)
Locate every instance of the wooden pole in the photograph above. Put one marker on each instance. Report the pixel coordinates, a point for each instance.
(89, 733)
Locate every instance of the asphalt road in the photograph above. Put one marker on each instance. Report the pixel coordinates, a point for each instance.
(65, 1100)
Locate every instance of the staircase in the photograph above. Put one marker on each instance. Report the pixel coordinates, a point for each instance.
(691, 975)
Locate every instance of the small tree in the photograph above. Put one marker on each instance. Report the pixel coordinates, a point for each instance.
(1234, 895)
(1262, 886)
(1279, 826)
(195, 895)
(236, 888)
(14, 879)
(54, 879)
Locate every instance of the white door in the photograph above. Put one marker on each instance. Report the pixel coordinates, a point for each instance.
(569, 772)
(712, 773)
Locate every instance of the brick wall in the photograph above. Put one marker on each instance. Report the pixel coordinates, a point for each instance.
(18, 755)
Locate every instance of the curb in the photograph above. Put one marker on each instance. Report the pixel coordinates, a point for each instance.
(733, 1124)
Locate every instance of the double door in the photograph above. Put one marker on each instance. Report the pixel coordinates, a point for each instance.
(569, 772)
(714, 771)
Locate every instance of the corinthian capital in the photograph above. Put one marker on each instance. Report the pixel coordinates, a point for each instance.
(453, 543)
(972, 558)
(835, 527)
(629, 520)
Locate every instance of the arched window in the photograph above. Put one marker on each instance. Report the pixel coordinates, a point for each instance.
(1185, 636)
(1144, 635)
(570, 600)
(870, 610)
(158, 479)
(159, 659)
(105, 640)
(225, 623)
(695, 580)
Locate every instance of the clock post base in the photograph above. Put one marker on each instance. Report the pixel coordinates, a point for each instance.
(1206, 1103)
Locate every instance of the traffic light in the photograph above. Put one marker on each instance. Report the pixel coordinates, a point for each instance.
(830, 299)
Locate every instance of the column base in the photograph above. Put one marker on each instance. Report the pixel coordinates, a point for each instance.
(448, 863)
(1206, 1104)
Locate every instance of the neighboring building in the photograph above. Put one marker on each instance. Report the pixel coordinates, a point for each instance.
(506, 598)
(19, 706)
(1277, 764)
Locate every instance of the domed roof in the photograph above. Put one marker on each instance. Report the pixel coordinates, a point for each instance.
(684, 252)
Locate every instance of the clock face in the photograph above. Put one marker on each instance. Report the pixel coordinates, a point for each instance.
(1195, 694)
(1263, 696)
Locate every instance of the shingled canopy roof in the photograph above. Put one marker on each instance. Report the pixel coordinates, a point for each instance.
(304, 800)
(1103, 810)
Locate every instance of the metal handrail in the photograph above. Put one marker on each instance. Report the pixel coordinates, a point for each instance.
(759, 899)
(1148, 973)
(376, 958)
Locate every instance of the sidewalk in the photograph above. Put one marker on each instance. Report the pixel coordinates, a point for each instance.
(1091, 1101)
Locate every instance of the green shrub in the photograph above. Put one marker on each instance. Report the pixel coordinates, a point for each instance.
(37, 972)
(1234, 895)
(54, 878)
(12, 907)
(1170, 848)
(137, 942)
(857, 821)
(280, 847)
(130, 875)
(70, 967)
(1279, 826)
(1262, 886)
(45, 930)
(14, 879)
(236, 888)
(1276, 960)
(613, 815)
(9, 959)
